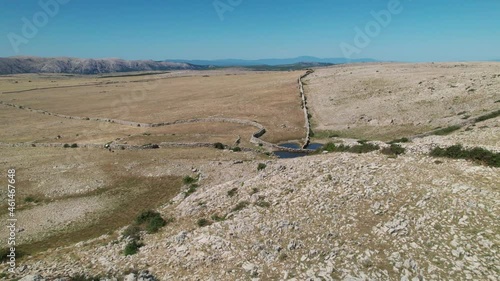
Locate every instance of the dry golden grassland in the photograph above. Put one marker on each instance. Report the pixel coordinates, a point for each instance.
(68, 195)
(270, 98)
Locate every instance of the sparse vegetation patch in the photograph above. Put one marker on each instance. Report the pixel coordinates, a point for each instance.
(360, 148)
(219, 145)
(189, 180)
(203, 222)
(447, 130)
(476, 154)
(393, 150)
(488, 116)
(232, 192)
(401, 140)
(132, 248)
(192, 189)
(240, 206)
(261, 166)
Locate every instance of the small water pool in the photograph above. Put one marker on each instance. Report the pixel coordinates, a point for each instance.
(288, 155)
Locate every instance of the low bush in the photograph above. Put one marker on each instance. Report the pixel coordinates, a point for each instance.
(254, 191)
(31, 199)
(261, 166)
(66, 145)
(146, 216)
(132, 248)
(232, 192)
(150, 220)
(394, 149)
(3, 254)
(330, 147)
(360, 148)
(155, 224)
(189, 180)
(74, 145)
(240, 206)
(401, 140)
(488, 116)
(476, 154)
(192, 189)
(216, 217)
(133, 232)
(447, 130)
(262, 204)
(203, 222)
(363, 148)
(219, 145)
(236, 149)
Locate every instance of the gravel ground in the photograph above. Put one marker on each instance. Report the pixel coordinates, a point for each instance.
(326, 217)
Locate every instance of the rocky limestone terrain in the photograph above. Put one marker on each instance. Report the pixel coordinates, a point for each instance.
(335, 216)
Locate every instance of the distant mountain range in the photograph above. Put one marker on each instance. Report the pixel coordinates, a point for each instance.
(272, 62)
(15, 65)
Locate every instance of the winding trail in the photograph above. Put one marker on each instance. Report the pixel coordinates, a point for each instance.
(255, 138)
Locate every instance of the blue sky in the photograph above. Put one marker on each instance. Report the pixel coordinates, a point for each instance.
(425, 30)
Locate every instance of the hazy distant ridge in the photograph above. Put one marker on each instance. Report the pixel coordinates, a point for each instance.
(15, 65)
(286, 61)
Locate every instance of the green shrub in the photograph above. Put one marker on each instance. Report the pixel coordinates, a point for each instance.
(66, 145)
(236, 149)
(3, 254)
(155, 224)
(203, 222)
(360, 148)
(146, 216)
(132, 248)
(262, 204)
(261, 166)
(364, 148)
(330, 147)
(240, 206)
(232, 192)
(31, 199)
(476, 154)
(189, 180)
(447, 130)
(219, 145)
(133, 232)
(488, 116)
(394, 149)
(216, 217)
(74, 145)
(192, 189)
(401, 140)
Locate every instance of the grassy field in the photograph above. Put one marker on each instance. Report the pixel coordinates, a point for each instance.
(69, 195)
(270, 98)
